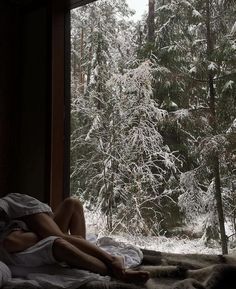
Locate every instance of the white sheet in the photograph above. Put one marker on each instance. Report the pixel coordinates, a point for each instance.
(57, 277)
(132, 254)
(5, 274)
(51, 277)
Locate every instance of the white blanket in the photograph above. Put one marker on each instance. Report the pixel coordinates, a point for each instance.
(58, 277)
(132, 255)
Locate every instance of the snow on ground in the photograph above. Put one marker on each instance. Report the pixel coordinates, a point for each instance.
(95, 227)
(171, 245)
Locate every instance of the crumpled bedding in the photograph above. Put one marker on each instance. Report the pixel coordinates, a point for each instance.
(61, 277)
(51, 277)
(133, 256)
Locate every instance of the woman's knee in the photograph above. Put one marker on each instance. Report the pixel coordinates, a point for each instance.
(59, 245)
(72, 204)
(59, 242)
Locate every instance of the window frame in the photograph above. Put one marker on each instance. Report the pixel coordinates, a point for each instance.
(60, 93)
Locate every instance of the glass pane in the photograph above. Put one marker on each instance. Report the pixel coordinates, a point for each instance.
(153, 120)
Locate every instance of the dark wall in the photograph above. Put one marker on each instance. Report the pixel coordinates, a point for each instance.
(9, 96)
(33, 154)
(24, 99)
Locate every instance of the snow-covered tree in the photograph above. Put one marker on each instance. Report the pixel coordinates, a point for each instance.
(101, 45)
(137, 98)
(128, 168)
(195, 56)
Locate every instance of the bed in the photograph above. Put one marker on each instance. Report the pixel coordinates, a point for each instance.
(167, 271)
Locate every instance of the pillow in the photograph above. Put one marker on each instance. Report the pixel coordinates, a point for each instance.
(5, 274)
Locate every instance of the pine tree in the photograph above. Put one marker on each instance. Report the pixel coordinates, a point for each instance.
(193, 39)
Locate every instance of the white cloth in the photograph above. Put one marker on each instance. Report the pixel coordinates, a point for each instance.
(5, 274)
(132, 255)
(52, 277)
(18, 205)
(37, 255)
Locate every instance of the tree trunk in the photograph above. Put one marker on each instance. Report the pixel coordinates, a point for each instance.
(215, 161)
(90, 60)
(219, 205)
(81, 71)
(108, 195)
(109, 213)
(151, 19)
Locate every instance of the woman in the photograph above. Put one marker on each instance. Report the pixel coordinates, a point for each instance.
(67, 225)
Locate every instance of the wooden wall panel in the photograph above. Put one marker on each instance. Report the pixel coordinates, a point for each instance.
(35, 102)
(59, 188)
(9, 96)
(25, 99)
(76, 3)
(35, 98)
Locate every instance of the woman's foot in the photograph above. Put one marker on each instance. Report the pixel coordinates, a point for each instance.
(127, 275)
(118, 264)
(135, 276)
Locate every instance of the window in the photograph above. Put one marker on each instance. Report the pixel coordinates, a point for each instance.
(153, 115)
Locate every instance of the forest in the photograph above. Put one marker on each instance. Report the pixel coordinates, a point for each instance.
(153, 116)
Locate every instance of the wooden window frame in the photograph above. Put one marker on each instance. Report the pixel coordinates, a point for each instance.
(60, 103)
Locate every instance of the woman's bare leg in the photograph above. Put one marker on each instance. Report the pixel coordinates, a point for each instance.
(70, 217)
(43, 225)
(63, 251)
(66, 252)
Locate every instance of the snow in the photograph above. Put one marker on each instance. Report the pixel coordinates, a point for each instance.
(212, 66)
(170, 245)
(140, 7)
(233, 30)
(193, 69)
(232, 128)
(94, 126)
(196, 13)
(181, 113)
(214, 144)
(229, 85)
(96, 229)
(234, 124)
